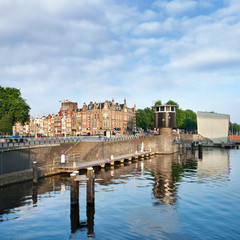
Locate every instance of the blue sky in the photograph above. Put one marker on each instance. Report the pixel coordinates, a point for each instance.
(95, 50)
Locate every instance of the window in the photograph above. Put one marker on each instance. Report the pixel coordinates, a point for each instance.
(173, 109)
(162, 109)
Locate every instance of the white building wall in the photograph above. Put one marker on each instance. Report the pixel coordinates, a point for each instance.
(213, 126)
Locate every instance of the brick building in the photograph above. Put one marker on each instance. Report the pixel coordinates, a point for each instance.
(92, 119)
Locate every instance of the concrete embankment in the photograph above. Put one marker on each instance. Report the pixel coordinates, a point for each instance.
(159, 144)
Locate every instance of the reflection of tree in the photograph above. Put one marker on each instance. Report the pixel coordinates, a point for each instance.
(167, 172)
(181, 167)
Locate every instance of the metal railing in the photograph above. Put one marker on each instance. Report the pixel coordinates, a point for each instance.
(51, 141)
(68, 159)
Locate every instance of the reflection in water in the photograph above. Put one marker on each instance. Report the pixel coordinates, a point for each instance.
(34, 195)
(215, 165)
(164, 187)
(155, 181)
(76, 223)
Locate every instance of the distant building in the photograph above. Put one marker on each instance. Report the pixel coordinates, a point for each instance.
(68, 106)
(165, 116)
(213, 126)
(92, 119)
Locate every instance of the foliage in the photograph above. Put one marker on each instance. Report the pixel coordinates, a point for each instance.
(186, 119)
(234, 128)
(158, 102)
(5, 124)
(171, 102)
(13, 106)
(190, 121)
(145, 118)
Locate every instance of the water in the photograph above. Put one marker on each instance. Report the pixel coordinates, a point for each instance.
(165, 197)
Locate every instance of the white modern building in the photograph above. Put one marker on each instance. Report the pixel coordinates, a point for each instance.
(214, 126)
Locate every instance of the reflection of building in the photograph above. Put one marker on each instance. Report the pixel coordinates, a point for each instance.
(213, 126)
(215, 164)
(164, 187)
(165, 116)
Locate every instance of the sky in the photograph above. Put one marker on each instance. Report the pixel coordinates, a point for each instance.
(187, 51)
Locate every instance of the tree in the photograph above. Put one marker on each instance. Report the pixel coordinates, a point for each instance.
(145, 118)
(190, 121)
(158, 102)
(5, 124)
(180, 117)
(171, 102)
(12, 106)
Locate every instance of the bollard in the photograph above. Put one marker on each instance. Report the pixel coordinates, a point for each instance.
(35, 173)
(90, 186)
(63, 159)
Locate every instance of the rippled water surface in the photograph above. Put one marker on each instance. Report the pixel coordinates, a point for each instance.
(165, 197)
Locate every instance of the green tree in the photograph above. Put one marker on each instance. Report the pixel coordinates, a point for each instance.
(180, 117)
(190, 121)
(171, 102)
(5, 124)
(13, 106)
(158, 102)
(145, 118)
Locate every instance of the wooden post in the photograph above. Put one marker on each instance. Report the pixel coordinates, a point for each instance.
(34, 194)
(90, 218)
(74, 192)
(90, 186)
(200, 151)
(193, 147)
(75, 215)
(35, 173)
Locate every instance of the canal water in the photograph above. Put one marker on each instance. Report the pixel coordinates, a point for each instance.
(165, 197)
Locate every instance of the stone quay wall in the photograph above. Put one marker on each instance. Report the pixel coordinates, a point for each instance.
(44, 156)
(159, 144)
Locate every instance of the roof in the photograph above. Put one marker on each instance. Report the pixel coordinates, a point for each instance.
(212, 115)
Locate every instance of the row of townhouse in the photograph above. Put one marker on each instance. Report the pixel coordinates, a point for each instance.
(92, 119)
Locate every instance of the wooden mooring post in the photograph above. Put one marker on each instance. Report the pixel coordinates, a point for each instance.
(200, 151)
(90, 197)
(90, 186)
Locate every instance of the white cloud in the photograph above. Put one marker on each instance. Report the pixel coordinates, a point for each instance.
(98, 49)
(176, 7)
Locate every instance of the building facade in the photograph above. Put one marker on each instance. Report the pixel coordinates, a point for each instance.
(92, 119)
(214, 126)
(164, 116)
